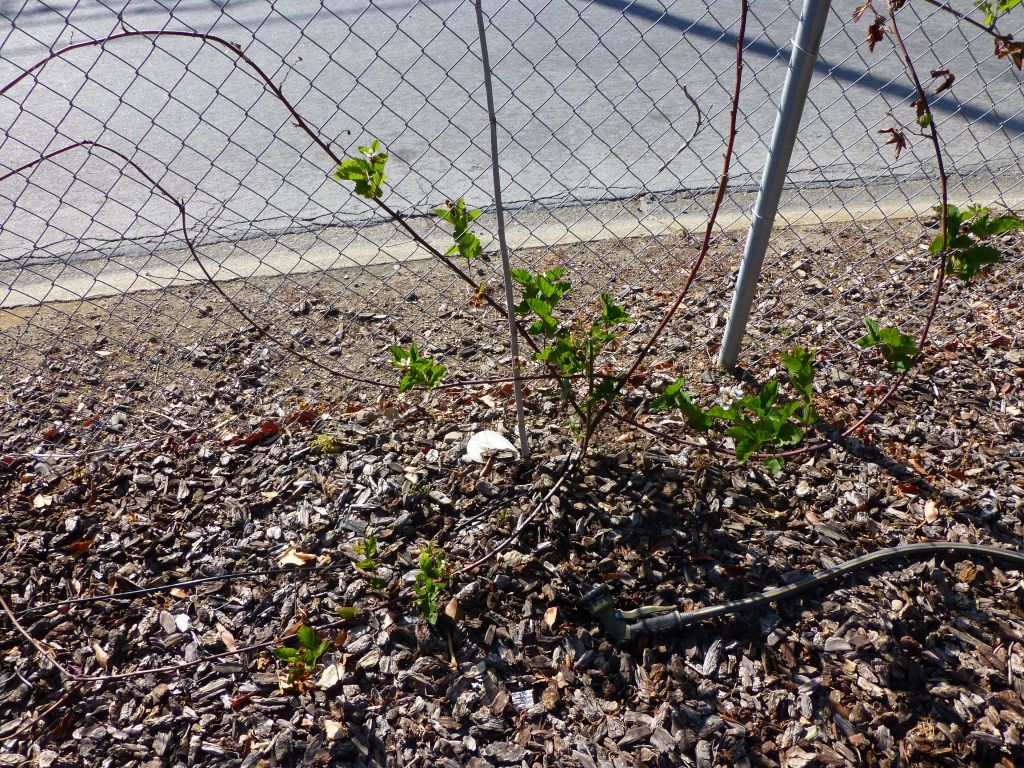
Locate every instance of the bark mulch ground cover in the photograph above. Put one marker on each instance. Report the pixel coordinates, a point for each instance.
(115, 477)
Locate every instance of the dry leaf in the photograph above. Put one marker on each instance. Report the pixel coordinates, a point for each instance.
(292, 556)
(551, 616)
(291, 630)
(931, 511)
(262, 432)
(226, 637)
(101, 655)
(179, 593)
(79, 547)
(897, 138)
(453, 611)
(41, 501)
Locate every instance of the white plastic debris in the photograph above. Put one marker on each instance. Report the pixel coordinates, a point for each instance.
(489, 444)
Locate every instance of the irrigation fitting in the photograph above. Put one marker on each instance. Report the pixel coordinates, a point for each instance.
(652, 620)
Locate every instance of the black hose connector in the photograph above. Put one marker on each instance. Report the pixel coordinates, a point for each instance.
(665, 624)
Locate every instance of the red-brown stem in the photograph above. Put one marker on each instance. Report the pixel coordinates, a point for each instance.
(300, 123)
(180, 206)
(943, 180)
(723, 184)
(572, 465)
(989, 30)
(944, 203)
(933, 135)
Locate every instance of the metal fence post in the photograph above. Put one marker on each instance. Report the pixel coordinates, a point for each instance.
(506, 271)
(787, 123)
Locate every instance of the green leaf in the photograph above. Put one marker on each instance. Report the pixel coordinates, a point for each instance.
(769, 393)
(611, 313)
(967, 252)
(307, 636)
(897, 348)
(747, 440)
(993, 11)
(968, 262)
(348, 612)
(799, 364)
(521, 276)
(717, 411)
(285, 654)
(541, 292)
(367, 548)
(604, 390)
(984, 227)
(872, 336)
(419, 371)
(366, 173)
(455, 213)
(676, 395)
(545, 326)
(352, 169)
(774, 464)
(428, 607)
(789, 434)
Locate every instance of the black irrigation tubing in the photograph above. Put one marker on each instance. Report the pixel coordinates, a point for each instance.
(300, 123)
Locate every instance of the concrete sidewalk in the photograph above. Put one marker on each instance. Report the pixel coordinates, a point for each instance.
(350, 248)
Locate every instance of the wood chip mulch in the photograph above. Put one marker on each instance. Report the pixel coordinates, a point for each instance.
(144, 484)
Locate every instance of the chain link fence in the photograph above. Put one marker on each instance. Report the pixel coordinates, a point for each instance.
(612, 119)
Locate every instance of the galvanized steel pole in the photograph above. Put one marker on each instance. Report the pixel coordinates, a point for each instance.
(513, 335)
(787, 123)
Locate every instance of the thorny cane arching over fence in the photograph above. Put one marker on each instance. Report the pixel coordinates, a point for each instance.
(943, 246)
(591, 419)
(621, 381)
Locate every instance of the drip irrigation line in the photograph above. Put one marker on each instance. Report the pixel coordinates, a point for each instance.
(660, 620)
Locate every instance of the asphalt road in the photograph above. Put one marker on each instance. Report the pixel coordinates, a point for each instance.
(590, 95)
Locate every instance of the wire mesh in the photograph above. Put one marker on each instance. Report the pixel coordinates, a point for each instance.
(612, 120)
